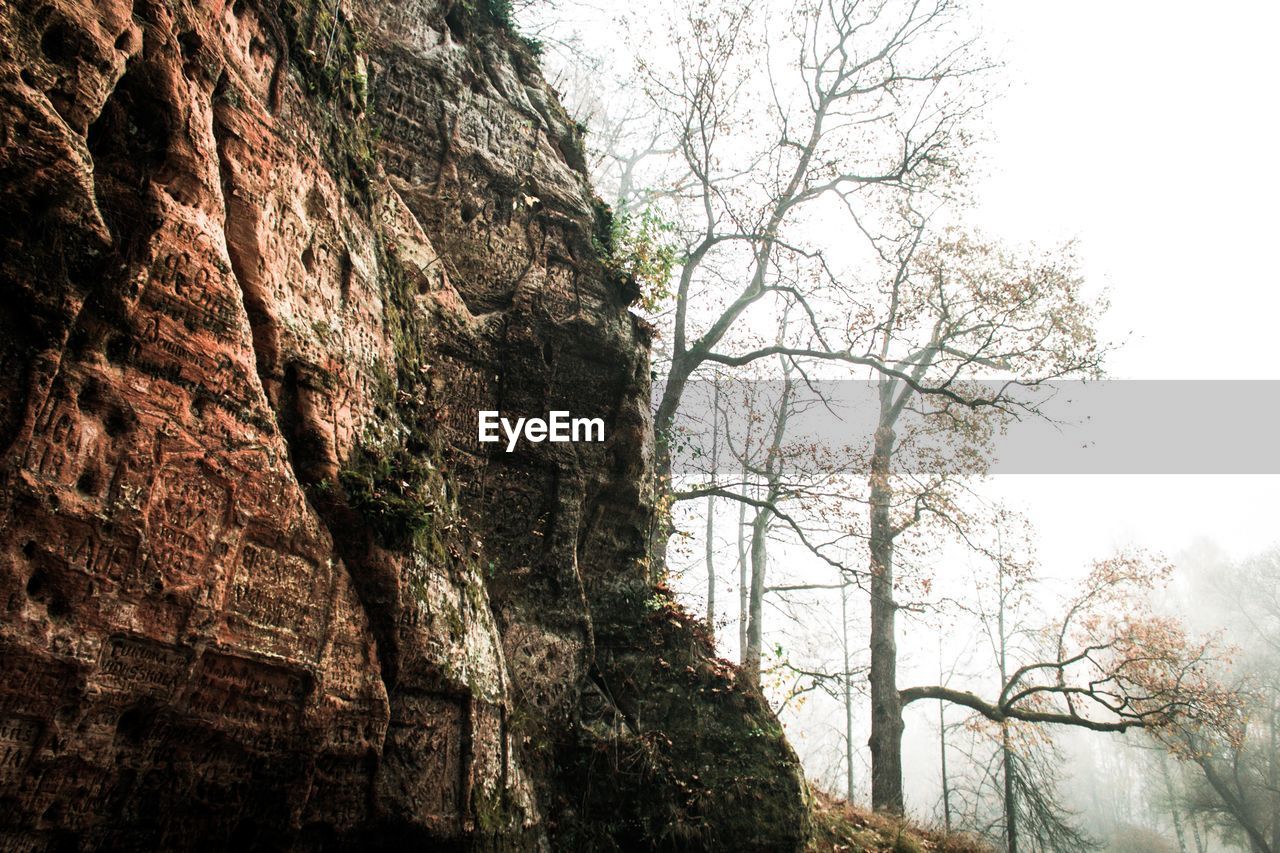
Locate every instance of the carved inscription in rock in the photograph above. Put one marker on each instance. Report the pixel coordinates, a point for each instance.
(18, 738)
(187, 510)
(469, 391)
(251, 693)
(56, 441)
(559, 296)
(274, 595)
(33, 685)
(139, 666)
(424, 744)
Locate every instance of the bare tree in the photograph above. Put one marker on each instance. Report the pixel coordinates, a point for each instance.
(772, 476)
(953, 306)
(711, 514)
(950, 305)
(1107, 666)
(870, 101)
(796, 492)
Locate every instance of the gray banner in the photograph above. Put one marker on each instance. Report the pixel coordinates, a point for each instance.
(1067, 427)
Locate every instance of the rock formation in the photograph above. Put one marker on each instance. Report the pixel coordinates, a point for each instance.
(260, 586)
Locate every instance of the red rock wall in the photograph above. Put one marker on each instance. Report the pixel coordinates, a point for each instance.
(259, 585)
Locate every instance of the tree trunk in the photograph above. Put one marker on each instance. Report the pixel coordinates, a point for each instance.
(664, 422)
(711, 515)
(886, 704)
(848, 695)
(755, 621)
(1235, 806)
(1274, 776)
(942, 747)
(1006, 752)
(1174, 811)
(1197, 835)
(946, 781)
(1010, 803)
(711, 567)
(664, 418)
(744, 580)
(760, 527)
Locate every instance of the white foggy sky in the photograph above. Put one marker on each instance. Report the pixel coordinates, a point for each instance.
(1147, 130)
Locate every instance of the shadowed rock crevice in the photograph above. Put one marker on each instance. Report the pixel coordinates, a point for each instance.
(130, 143)
(290, 385)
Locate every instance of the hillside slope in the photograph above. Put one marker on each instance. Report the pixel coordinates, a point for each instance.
(840, 828)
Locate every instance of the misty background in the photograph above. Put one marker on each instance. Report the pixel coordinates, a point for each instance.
(1141, 132)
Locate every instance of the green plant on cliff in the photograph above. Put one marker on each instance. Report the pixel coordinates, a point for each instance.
(500, 11)
(392, 477)
(326, 48)
(640, 247)
(392, 489)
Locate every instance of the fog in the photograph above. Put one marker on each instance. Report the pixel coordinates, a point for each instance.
(1132, 131)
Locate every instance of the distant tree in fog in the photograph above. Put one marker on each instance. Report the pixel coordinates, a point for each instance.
(1109, 664)
(1231, 779)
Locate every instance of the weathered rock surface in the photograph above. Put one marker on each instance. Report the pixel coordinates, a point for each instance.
(259, 584)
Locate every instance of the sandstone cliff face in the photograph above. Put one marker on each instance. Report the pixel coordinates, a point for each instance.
(259, 584)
